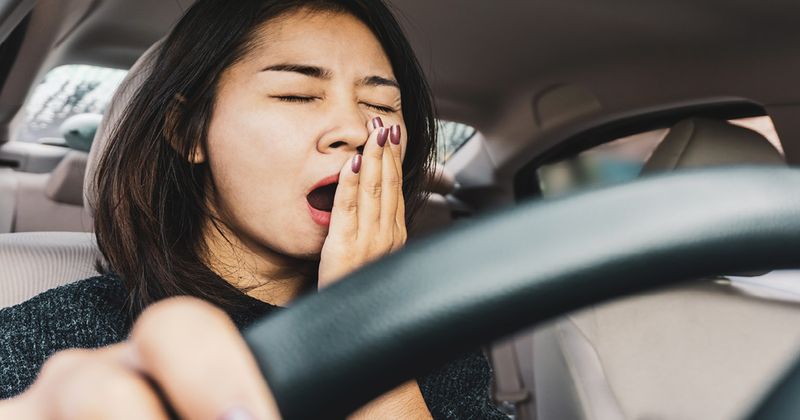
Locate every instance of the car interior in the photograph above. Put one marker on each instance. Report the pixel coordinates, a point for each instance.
(558, 97)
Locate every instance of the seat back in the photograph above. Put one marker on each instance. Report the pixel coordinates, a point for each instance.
(33, 262)
(706, 350)
(39, 202)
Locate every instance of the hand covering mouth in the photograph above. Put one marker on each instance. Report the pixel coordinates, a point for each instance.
(321, 198)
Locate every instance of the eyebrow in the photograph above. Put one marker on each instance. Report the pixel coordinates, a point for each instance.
(325, 74)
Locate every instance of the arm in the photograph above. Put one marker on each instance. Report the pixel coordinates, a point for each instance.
(181, 350)
(460, 389)
(82, 314)
(404, 402)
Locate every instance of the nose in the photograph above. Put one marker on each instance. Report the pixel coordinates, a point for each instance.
(347, 129)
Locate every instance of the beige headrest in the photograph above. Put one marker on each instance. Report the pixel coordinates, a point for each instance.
(700, 142)
(132, 82)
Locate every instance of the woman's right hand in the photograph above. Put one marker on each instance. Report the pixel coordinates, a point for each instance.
(182, 351)
(368, 215)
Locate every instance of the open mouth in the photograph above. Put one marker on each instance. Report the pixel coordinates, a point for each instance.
(322, 198)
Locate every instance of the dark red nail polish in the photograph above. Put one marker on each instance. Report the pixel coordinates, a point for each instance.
(382, 136)
(356, 164)
(395, 135)
(377, 122)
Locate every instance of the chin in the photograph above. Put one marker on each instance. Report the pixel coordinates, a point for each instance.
(309, 248)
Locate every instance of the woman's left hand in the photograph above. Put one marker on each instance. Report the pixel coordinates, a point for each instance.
(182, 351)
(368, 215)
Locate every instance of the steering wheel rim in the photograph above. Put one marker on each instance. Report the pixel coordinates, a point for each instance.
(405, 314)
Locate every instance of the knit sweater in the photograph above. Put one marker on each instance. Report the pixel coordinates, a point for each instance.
(89, 314)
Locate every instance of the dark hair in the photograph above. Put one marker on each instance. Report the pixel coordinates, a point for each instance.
(151, 201)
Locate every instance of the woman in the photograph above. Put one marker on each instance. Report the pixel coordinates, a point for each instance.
(267, 153)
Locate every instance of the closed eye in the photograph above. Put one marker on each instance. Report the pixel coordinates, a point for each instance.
(307, 99)
(300, 99)
(381, 108)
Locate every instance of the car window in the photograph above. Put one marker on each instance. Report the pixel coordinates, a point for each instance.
(452, 136)
(621, 160)
(66, 91)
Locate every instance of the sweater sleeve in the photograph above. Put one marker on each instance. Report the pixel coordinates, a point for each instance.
(460, 390)
(85, 314)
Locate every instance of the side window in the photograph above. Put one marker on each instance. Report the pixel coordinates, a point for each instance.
(620, 160)
(614, 162)
(451, 136)
(64, 92)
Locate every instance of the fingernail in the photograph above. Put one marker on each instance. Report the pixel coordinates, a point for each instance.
(377, 122)
(382, 136)
(356, 164)
(238, 413)
(395, 134)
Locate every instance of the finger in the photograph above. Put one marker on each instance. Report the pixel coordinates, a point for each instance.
(344, 215)
(391, 180)
(83, 385)
(198, 358)
(369, 183)
(401, 231)
(396, 146)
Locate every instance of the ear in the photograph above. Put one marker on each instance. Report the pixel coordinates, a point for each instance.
(174, 114)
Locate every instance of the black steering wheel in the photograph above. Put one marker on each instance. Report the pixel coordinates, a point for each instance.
(405, 314)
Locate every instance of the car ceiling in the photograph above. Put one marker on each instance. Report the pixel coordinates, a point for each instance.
(487, 61)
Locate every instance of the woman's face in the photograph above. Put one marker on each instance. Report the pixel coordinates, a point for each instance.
(290, 114)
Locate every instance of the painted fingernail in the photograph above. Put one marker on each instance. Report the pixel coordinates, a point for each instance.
(395, 134)
(377, 122)
(238, 413)
(356, 164)
(382, 136)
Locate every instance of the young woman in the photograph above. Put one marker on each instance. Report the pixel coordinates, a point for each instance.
(274, 147)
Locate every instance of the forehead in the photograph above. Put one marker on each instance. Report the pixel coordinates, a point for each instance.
(320, 38)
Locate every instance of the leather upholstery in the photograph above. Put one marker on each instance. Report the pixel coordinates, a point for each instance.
(705, 143)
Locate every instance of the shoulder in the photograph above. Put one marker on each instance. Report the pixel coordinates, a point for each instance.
(460, 389)
(88, 314)
(90, 301)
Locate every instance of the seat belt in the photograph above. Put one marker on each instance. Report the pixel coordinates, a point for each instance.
(508, 388)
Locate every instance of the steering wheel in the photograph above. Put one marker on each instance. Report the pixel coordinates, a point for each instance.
(405, 314)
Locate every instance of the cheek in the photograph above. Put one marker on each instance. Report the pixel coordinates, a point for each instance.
(251, 159)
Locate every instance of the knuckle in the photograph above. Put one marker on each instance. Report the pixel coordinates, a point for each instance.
(166, 312)
(65, 361)
(395, 183)
(349, 206)
(176, 320)
(373, 190)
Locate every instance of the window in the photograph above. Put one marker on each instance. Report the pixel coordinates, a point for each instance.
(66, 91)
(621, 160)
(452, 136)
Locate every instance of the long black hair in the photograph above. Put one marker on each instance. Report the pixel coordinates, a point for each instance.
(151, 203)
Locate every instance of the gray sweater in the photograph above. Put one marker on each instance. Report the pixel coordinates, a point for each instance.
(89, 314)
